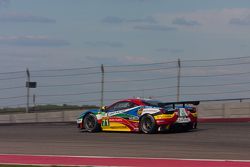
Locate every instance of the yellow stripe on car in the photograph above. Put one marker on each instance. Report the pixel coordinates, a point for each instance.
(164, 116)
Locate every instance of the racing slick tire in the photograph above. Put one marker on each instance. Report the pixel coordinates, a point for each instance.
(148, 124)
(90, 123)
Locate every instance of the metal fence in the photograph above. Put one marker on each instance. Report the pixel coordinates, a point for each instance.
(212, 79)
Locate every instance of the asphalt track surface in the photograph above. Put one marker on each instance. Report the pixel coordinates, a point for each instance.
(228, 141)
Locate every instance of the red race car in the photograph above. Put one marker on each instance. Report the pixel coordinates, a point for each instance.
(144, 115)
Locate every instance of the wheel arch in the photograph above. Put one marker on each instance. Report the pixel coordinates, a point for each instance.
(84, 114)
(143, 115)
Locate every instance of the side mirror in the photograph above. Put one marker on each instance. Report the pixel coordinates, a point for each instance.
(104, 108)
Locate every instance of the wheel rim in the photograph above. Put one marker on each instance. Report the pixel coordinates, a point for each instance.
(90, 122)
(147, 124)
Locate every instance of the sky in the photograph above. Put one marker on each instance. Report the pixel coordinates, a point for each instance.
(67, 34)
(54, 34)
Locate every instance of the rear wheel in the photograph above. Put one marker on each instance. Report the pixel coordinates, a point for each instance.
(90, 123)
(195, 125)
(187, 127)
(148, 124)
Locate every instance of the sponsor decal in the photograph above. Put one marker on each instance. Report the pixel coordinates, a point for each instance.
(105, 121)
(116, 112)
(183, 120)
(133, 118)
(183, 116)
(182, 112)
(118, 127)
(120, 111)
(164, 116)
(152, 107)
(115, 120)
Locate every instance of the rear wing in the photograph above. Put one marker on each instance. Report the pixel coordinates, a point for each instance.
(182, 102)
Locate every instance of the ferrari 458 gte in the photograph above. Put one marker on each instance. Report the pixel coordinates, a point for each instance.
(141, 115)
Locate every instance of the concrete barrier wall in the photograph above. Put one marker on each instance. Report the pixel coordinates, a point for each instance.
(5, 119)
(224, 110)
(60, 116)
(205, 111)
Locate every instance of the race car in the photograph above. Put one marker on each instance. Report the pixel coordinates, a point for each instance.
(141, 115)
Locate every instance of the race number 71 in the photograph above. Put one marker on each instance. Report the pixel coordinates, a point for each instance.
(105, 122)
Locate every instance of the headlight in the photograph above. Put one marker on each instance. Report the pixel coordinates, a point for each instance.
(79, 120)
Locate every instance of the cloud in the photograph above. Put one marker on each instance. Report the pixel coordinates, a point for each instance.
(185, 22)
(169, 50)
(155, 28)
(21, 17)
(148, 19)
(240, 21)
(42, 41)
(118, 20)
(212, 21)
(104, 44)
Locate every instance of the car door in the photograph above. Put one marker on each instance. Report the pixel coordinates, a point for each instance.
(118, 109)
(119, 115)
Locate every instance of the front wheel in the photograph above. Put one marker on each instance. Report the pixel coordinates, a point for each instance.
(148, 124)
(90, 123)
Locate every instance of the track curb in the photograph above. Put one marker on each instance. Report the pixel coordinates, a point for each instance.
(115, 161)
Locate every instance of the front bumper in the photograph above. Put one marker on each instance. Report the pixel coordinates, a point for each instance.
(79, 123)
